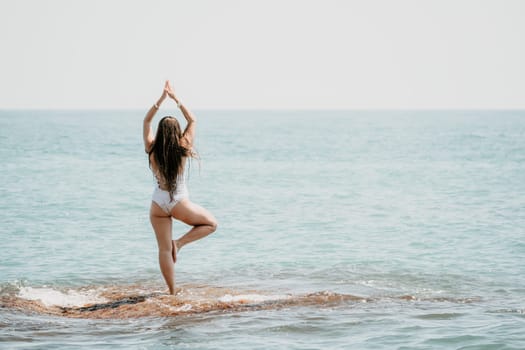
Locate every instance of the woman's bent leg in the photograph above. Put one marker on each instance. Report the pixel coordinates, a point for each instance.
(162, 226)
(203, 221)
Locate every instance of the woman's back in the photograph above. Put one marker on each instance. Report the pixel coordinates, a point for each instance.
(163, 184)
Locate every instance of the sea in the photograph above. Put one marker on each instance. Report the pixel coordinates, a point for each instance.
(360, 229)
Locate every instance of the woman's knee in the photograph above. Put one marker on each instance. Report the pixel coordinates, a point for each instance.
(165, 251)
(213, 225)
(209, 221)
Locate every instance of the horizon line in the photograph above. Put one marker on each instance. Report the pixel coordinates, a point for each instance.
(288, 109)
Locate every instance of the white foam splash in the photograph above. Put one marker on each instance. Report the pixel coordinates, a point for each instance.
(53, 297)
(185, 307)
(250, 298)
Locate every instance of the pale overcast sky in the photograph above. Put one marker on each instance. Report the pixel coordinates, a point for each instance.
(323, 54)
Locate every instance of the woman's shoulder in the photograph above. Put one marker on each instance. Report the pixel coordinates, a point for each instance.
(186, 143)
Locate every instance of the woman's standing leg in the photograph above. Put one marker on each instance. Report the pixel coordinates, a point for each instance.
(203, 221)
(162, 225)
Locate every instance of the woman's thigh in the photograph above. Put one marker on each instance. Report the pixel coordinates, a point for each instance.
(162, 225)
(192, 214)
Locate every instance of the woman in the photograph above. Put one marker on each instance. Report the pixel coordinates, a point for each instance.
(168, 153)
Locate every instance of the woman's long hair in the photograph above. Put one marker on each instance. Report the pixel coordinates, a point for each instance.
(169, 154)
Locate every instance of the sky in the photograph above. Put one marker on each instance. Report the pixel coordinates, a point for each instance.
(271, 54)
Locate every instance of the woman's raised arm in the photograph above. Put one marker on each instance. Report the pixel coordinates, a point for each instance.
(189, 131)
(147, 132)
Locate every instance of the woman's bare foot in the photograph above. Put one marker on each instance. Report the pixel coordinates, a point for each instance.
(174, 250)
(175, 291)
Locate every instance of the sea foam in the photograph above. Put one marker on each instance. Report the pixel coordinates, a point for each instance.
(52, 297)
(250, 298)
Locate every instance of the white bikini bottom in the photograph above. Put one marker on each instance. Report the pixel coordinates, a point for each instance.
(162, 198)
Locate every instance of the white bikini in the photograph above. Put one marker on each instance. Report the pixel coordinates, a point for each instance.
(162, 197)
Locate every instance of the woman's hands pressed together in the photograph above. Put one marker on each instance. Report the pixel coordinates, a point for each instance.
(169, 91)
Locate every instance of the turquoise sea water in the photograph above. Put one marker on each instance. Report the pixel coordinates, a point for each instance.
(420, 214)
